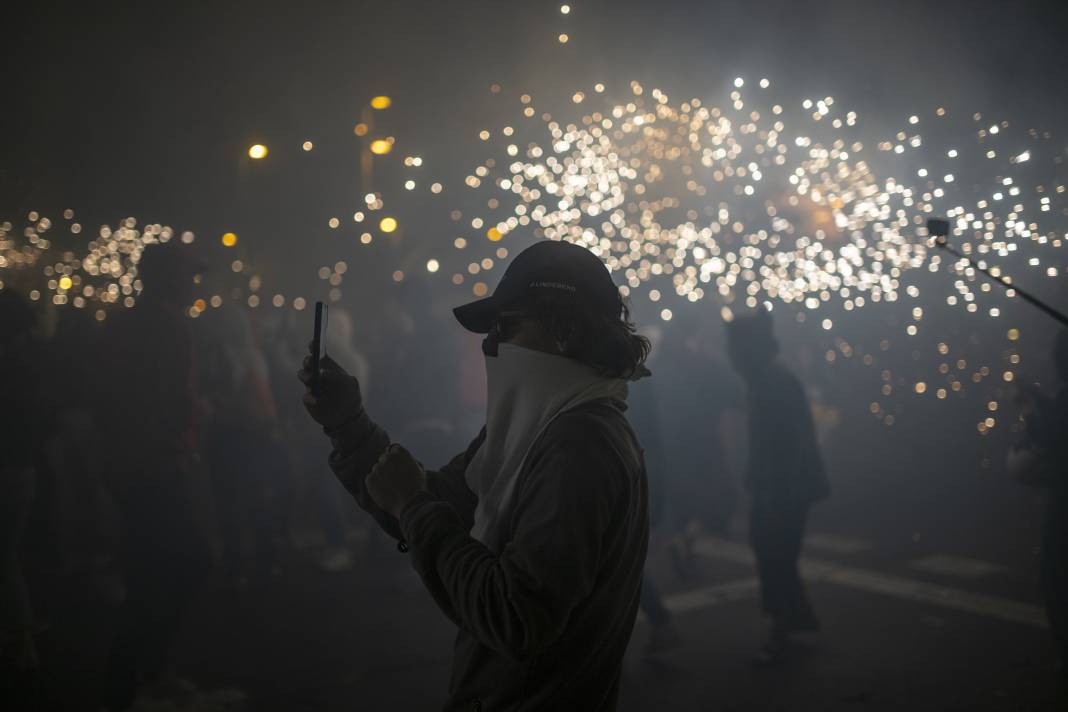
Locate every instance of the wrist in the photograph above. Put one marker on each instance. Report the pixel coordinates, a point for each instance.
(351, 431)
(411, 505)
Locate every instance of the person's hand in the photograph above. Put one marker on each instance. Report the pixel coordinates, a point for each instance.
(339, 398)
(395, 479)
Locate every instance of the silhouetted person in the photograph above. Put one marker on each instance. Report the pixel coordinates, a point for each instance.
(533, 540)
(698, 394)
(248, 473)
(1047, 436)
(644, 415)
(785, 475)
(19, 382)
(150, 409)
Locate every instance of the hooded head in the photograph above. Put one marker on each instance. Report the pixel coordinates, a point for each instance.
(751, 344)
(167, 271)
(17, 317)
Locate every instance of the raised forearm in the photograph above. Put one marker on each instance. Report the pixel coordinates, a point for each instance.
(357, 445)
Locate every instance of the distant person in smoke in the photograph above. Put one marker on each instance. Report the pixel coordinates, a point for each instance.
(19, 431)
(150, 407)
(644, 415)
(785, 476)
(241, 448)
(1042, 459)
(532, 540)
(703, 400)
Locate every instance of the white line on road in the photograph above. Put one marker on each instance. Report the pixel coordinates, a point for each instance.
(737, 590)
(888, 585)
(836, 544)
(729, 592)
(956, 566)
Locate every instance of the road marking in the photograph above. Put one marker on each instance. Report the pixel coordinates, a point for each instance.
(836, 544)
(888, 585)
(738, 590)
(729, 592)
(956, 566)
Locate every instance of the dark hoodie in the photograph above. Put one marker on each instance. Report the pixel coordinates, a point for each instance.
(544, 624)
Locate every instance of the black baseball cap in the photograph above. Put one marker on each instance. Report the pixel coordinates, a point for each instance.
(547, 267)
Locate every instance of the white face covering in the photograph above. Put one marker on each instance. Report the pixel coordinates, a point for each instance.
(527, 390)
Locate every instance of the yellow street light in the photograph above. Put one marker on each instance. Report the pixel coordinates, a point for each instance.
(228, 239)
(387, 224)
(381, 146)
(381, 102)
(257, 151)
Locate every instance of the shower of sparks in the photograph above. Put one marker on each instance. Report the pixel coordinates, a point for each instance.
(754, 203)
(750, 202)
(104, 274)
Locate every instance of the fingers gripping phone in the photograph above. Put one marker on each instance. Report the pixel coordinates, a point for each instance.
(318, 346)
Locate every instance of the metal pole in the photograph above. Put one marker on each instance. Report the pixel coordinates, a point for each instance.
(940, 230)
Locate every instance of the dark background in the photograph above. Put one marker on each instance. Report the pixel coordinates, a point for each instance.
(147, 110)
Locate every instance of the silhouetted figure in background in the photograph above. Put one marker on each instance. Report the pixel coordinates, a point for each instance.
(150, 408)
(533, 540)
(696, 392)
(249, 468)
(643, 414)
(1047, 439)
(785, 475)
(19, 380)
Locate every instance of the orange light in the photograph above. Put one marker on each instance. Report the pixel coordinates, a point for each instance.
(360, 129)
(494, 234)
(229, 239)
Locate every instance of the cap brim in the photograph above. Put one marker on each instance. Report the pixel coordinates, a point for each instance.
(477, 316)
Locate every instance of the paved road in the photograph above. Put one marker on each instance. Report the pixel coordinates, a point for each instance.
(937, 632)
(919, 631)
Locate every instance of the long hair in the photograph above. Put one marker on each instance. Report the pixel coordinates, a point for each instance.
(611, 345)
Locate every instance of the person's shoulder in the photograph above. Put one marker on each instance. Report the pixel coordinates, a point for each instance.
(593, 439)
(593, 428)
(783, 377)
(603, 413)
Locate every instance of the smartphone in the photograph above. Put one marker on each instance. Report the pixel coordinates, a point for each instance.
(322, 311)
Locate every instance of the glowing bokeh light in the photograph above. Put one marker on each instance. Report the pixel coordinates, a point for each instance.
(381, 146)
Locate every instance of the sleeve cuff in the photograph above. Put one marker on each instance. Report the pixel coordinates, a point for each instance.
(410, 514)
(352, 434)
(425, 522)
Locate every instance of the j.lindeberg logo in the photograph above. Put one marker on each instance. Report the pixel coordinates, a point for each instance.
(554, 285)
